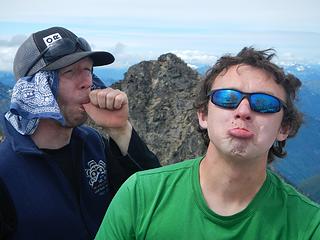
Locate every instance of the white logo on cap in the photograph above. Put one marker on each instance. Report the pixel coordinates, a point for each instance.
(51, 38)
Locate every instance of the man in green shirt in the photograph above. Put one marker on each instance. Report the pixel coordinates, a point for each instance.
(246, 112)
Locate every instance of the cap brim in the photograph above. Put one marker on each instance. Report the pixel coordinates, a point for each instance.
(99, 59)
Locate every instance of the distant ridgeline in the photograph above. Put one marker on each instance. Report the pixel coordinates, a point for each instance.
(161, 95)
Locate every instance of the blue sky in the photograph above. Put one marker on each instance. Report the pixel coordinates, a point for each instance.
(197, 31)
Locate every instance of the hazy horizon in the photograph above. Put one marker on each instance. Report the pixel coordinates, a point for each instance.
(197, 31)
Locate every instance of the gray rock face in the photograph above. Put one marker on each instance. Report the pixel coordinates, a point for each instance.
(161, 95)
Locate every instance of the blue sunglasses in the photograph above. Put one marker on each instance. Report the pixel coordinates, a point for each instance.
(259, 102)
(60, 48)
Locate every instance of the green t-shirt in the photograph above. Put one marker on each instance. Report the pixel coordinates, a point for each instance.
(167, 203)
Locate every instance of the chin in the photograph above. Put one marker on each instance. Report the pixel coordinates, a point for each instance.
(75, 122)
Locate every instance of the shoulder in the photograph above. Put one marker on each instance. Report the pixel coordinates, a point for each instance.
(294, 199)
(6, 152)
(300, 214)
(176, 168)
(157, 177)
(147, 187)
(4, 145)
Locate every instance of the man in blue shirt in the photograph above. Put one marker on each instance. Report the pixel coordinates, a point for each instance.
(58, 176)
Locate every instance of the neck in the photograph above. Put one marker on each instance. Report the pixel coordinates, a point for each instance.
(51, 135)
(229, 185)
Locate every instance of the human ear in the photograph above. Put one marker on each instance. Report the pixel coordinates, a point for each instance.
(202, 118)
(283, 133)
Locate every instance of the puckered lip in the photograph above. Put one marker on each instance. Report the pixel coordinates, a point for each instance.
(239, 132)
(85, 100)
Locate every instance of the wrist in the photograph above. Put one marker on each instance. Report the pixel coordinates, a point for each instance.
(121, 136)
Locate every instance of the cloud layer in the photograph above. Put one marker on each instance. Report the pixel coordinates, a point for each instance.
(197, 31)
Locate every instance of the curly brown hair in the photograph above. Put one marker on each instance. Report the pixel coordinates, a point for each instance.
(292, 117)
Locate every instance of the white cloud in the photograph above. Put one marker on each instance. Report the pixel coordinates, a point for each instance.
(14, 41)
(142, 30)
(6, 58)
(194, 57)
(8, 49)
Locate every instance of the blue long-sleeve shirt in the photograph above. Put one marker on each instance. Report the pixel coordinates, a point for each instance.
(50, 202)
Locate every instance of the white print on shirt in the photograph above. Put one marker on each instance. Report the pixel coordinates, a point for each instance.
(97, 175)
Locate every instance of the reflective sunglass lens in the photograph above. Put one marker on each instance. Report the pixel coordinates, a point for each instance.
(226, 98)
(264, 103)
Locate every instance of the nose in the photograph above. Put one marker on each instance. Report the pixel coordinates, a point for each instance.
(243, 111)
(85, 79)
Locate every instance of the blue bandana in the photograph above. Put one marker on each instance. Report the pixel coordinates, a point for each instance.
(34, 97)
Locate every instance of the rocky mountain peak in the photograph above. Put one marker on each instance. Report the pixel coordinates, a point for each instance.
(161, 95)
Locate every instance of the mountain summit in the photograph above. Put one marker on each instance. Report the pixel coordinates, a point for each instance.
(161, 94)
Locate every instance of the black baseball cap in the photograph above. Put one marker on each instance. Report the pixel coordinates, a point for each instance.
(31, 55)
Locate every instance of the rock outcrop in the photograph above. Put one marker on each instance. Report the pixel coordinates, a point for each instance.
(161, 95)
